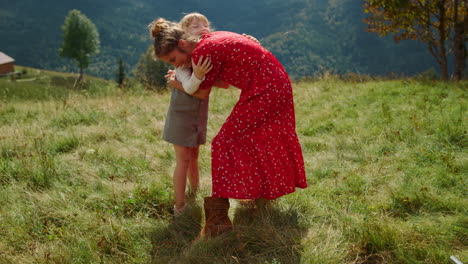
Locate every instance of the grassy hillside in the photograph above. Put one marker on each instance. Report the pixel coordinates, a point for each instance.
(38, 84)
(86, 178)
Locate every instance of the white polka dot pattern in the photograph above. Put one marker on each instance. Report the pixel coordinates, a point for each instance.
(257, 151)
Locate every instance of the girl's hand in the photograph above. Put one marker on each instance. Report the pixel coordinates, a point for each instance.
(251, 38)
(171, 78)
(174, 83)
(170, 75)
(202, 68)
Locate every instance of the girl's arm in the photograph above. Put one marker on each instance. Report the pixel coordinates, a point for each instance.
(191, 82)
(172, 82)
(201, 94)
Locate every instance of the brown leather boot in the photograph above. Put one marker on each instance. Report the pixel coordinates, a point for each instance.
(216, 217)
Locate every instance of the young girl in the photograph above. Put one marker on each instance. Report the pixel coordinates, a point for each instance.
(186, 119)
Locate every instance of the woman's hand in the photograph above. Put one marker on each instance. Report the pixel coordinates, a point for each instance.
(202, 68)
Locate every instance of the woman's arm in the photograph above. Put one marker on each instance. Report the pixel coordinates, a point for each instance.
(215, 51)
(203, 93)
(221, 84)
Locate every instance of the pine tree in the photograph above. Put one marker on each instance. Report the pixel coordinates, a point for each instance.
(80, 39)
(121, 74)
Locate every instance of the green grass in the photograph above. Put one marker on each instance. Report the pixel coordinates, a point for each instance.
(86, 178)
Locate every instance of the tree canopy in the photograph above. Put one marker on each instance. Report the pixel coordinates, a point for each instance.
(151, 72)
(432, 22)
(80, 39)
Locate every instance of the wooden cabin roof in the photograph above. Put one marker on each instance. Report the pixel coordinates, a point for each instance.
(5, 58)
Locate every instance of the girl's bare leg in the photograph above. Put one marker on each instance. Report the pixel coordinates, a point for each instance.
(193, 173)
(180, 174)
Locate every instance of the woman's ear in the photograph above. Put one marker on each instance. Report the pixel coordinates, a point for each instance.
(186, 46)
(183, 44)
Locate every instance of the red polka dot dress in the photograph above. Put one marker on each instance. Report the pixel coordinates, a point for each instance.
(256, 152)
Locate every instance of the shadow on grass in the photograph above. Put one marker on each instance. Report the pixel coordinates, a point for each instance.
(261, 236)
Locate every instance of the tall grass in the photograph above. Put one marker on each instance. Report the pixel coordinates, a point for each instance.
(85, 177)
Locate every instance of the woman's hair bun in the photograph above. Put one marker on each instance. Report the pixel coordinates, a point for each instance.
(157, 26)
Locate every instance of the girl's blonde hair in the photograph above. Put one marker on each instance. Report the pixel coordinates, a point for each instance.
(189, 18)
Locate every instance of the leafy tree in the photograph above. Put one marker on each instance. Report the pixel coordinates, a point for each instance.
(428, 21)
(150, 72)
(80, 39)
(460, 18)
(121, 74)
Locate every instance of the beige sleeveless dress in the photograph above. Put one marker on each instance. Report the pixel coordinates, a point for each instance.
(186, 120)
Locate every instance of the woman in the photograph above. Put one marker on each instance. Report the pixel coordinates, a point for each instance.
(256, 154)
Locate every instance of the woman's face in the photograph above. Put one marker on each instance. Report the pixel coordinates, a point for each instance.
(198, 27)
(178, 58)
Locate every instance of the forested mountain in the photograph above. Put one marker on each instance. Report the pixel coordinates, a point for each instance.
(308, 36)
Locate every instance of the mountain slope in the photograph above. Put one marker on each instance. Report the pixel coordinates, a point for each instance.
(307, 36)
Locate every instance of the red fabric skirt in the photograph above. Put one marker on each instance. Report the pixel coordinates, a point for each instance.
(257, 151)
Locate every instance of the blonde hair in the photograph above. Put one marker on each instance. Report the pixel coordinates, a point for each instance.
(166, 36)
(189, 18)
